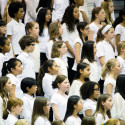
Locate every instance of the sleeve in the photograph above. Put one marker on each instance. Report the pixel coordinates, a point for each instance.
(86, 106)
(54, 99)
(98, 118)
(1, 111)
(100, 50)
(118, 30)
(9, 29)
(108, 80)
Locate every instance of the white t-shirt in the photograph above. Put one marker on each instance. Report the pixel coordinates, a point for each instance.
(73, 121)
(42, 121)
(44, 40)
(28, 66)
(122, 64)
(70, 37)
(121, 31)
(15, 81)
(59, 7)
(118, 109)
(47, 86)
(111, 81)
(17, 31)
(78, 40)
(11, 120)
(89, 105)
(62, 65)
(104, 49)
(100, 119)
(35, 55)
(61, 102)
(75, 88)
(95, 29)
(28, 102)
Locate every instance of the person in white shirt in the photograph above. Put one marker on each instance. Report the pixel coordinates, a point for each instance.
(32, 29)
(27, 44)
(40, 113)
(44, 20)
(5, 87)
(59, 100)
(98, 15)
(121, 55)
(4, 48)
(15, 29)
(74, 106)
(45, 79)
(112, 69)
(14, 106)
(118, 109)
(59, 49)
(59, 7)
(12, 68)
(104, 105)
(29, 88)
(89, 92)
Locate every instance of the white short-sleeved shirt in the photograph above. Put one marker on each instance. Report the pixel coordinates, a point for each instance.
(28, 66)
(28, 102)
(2, 59)
(89, 105)
(118, 109)
(70, 37)
(104, 49)
(59, 9)
(62, 65)
(35, 55)
(95, 29)
(112, 81)
(1, 111)
(122, 64)
(73, 121)
(17, 31)
(100, 119)
(11, 120)
(75, 88)
(42, 121)
(15, 81)
(121, 31)
(61, 102)
(44, 38)
(78, 40)
(47, 86)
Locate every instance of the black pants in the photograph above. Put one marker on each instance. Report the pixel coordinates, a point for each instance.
(43, 58)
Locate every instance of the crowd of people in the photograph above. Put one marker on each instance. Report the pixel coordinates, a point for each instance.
(62, 62)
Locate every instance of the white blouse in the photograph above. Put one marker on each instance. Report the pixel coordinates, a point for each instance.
(11, 120)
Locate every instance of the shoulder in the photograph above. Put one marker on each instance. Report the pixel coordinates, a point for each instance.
(39, 120)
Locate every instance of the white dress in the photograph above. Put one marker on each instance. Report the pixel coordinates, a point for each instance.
(73, 121)
(61, 102)
(89, 105)
(15, 81)
(111, 81)
(11, 120)
(42, 121)
(118, 109)
(99, 119)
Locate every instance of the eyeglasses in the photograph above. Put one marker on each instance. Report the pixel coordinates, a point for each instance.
(96, 89)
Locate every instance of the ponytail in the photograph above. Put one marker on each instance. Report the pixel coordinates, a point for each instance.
(5, 113)
(104, 71)
(4, 69)
(43, 69)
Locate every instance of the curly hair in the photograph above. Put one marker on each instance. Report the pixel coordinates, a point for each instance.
(69, 19)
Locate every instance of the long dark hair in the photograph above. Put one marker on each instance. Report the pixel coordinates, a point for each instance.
(81, 25)
(41, 17)
(73, 100)
(119, 19)
(69, 19)
(7, 65)
(120, 85)
(43, 69)
(88, 51)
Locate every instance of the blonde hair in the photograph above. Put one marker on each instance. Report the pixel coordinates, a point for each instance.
(22, 122)
(54, 30)
(105, 6)
(121, 45)
(107, 67)
(111, 121)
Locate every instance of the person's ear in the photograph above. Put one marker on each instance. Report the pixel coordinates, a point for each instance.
(81, 71)
(49, 69)
(27, 88)
(12, 69)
